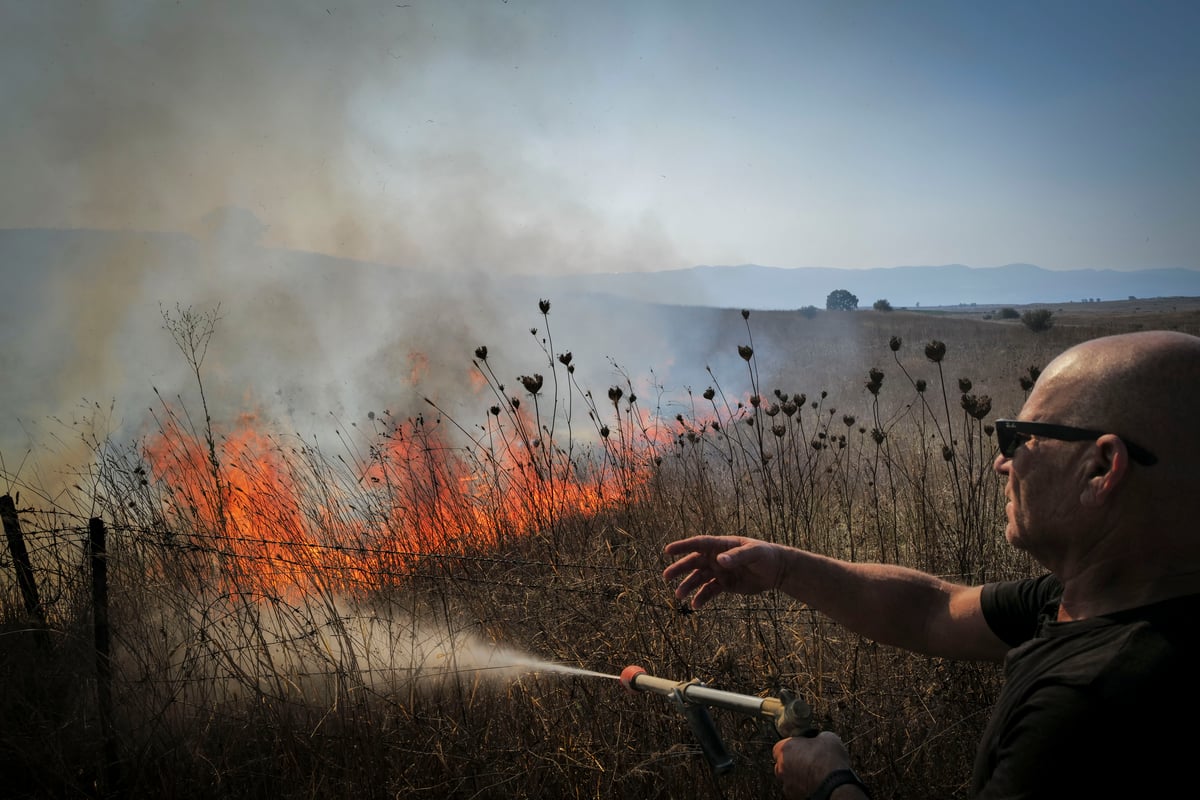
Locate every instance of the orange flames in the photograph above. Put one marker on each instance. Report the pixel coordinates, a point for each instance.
(281, 517)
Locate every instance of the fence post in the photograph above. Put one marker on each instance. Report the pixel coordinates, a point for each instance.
(98, 554)
(22, 566)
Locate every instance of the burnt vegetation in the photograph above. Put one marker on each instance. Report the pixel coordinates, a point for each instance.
(292, 620)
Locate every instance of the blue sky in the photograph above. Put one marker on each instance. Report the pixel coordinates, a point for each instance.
(575, 137)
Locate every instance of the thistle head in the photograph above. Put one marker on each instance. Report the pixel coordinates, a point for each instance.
(532, 383)
(983, 407)
(544, 306)
(745, 351)
(876, 381)
(935, 351)
(481, 352)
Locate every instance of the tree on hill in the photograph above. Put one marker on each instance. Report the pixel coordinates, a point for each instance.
(841, 300)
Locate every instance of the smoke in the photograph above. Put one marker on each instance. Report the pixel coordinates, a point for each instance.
(378, 131)
(344, 183)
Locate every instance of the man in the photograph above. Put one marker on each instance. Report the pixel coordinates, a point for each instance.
(1102, 665)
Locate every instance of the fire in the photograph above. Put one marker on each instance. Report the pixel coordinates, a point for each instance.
(282, 518)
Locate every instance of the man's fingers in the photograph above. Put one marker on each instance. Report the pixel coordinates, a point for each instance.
(705, 593)
(741, 556)
(688, 585)
(690, 562)
(701, 544)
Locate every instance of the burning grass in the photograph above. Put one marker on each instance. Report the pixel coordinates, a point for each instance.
(294, 621)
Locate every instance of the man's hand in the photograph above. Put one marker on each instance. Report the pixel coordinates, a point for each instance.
(801, 763)
(710, 565)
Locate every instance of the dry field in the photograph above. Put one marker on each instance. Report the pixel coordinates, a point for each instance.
(382, 617)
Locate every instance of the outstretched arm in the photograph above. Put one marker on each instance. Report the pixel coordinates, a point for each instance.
(889, 604)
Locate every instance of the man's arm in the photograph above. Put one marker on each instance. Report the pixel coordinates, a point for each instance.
(889, 604)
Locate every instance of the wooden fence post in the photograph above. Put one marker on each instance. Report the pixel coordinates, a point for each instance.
(22, 566)
(98, 554)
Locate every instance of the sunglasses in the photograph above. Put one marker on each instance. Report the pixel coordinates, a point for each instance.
(1012, 433)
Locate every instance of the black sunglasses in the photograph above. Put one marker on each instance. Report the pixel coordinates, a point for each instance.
(1012, 433)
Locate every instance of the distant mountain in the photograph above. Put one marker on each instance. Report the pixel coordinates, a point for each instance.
(29, 256)
(758, 287)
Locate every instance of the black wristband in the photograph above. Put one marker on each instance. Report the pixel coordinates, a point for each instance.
(839, 777)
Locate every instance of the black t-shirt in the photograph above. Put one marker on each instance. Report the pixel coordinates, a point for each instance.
(1103, 707)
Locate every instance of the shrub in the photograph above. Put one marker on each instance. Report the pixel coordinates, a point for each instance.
(1038, 320)
(808, 312)
(882, 305)
(1007, 313)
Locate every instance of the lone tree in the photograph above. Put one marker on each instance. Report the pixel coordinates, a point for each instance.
(841, 300)
(882, 305)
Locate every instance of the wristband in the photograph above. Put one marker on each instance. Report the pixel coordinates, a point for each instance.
(839, 777)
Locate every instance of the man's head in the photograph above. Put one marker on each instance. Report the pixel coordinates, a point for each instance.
(1140, 388)
(1143, 386)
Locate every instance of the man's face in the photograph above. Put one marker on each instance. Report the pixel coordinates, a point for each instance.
(1043, 495)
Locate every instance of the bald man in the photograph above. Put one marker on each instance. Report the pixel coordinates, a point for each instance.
(1102, 664)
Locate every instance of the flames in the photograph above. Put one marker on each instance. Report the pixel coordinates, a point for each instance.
(277, 515)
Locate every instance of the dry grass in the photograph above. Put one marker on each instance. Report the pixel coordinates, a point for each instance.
(291, 621)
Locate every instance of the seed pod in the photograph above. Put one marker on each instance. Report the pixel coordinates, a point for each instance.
(532, 383)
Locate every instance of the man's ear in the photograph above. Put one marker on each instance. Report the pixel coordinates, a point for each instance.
(1106, 468)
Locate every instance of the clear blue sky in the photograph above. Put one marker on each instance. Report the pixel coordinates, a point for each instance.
(608, 136)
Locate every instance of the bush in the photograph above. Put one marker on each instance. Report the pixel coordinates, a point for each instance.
(1038, 320)
(808, 312)
(882, 305)
(1007, 313)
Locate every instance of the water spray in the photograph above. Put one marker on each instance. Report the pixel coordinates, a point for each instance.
(791, 715)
